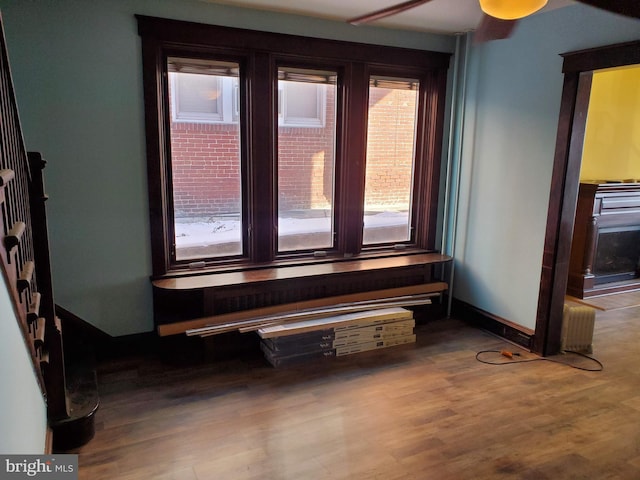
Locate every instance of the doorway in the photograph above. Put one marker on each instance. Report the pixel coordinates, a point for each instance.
(578, 68)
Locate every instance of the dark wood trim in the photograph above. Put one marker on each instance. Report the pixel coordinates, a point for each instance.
(156, 159)
(190, 33)
(75, 325)
(100, 343)
(578, 68)
(81, 335)
(618, 55)
(430, 145)
(499, 326)
(298, 272)
(561, 212)
(262, 177)
(55, 380)
(353, 161)
(260, 53)
(188, 298)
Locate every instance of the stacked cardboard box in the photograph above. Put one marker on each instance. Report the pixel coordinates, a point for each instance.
(337, 336)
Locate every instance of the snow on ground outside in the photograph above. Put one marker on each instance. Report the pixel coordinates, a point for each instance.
(222, 231)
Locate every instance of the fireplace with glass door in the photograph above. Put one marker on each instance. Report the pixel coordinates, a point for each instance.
(605, 252)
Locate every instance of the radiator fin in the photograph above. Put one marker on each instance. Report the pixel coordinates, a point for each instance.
(577, 328)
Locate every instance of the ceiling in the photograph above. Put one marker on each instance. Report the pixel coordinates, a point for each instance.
(437, 16)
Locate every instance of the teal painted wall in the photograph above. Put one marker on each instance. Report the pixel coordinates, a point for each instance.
(76, 66)
(23, 413)
(511, 119)
(77, 70)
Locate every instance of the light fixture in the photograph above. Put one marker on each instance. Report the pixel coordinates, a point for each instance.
(511, 9)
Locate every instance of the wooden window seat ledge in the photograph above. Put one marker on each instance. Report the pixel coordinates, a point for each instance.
(229, 300)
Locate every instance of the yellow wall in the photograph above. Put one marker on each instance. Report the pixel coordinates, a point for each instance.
(612, 138)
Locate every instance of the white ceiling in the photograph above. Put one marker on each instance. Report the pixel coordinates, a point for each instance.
(437, 16)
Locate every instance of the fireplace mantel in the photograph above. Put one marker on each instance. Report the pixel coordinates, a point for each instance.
(605, 211)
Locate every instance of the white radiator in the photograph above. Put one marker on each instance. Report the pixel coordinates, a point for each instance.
(577, 328)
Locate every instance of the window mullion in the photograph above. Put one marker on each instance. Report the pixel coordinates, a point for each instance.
(352, 166)
(261, 156)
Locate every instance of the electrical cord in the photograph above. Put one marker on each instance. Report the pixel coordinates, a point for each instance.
(508, 354)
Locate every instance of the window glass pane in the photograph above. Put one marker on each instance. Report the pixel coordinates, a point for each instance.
(197, 94)
(390, 154)
(306, 157)
(205, 160)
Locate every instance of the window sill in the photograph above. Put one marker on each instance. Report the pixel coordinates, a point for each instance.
(286, 271)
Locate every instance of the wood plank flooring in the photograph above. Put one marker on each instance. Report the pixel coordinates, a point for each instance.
(427, 411)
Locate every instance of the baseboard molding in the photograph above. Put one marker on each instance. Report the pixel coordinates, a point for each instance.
(499, 326)
(80, 334)
(74, 322)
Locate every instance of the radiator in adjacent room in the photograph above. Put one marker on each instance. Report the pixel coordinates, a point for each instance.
(577, 328)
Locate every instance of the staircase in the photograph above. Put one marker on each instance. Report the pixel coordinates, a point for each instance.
(71, 397)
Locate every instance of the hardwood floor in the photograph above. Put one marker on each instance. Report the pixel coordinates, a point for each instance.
(428, 411)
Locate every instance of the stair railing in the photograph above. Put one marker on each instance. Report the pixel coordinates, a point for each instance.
(24, 249)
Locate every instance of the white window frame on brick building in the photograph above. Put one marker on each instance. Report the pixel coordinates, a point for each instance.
(203, 98)
(200, 98)
(290, 100)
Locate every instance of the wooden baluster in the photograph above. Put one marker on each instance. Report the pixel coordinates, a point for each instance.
(14, 237)
(19, 275)
(34, 309)
(6, 175)
(39, 333)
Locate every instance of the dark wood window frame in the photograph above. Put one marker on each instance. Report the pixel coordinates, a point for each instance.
(261, 53)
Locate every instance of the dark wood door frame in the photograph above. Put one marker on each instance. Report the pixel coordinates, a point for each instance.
(578, 68)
